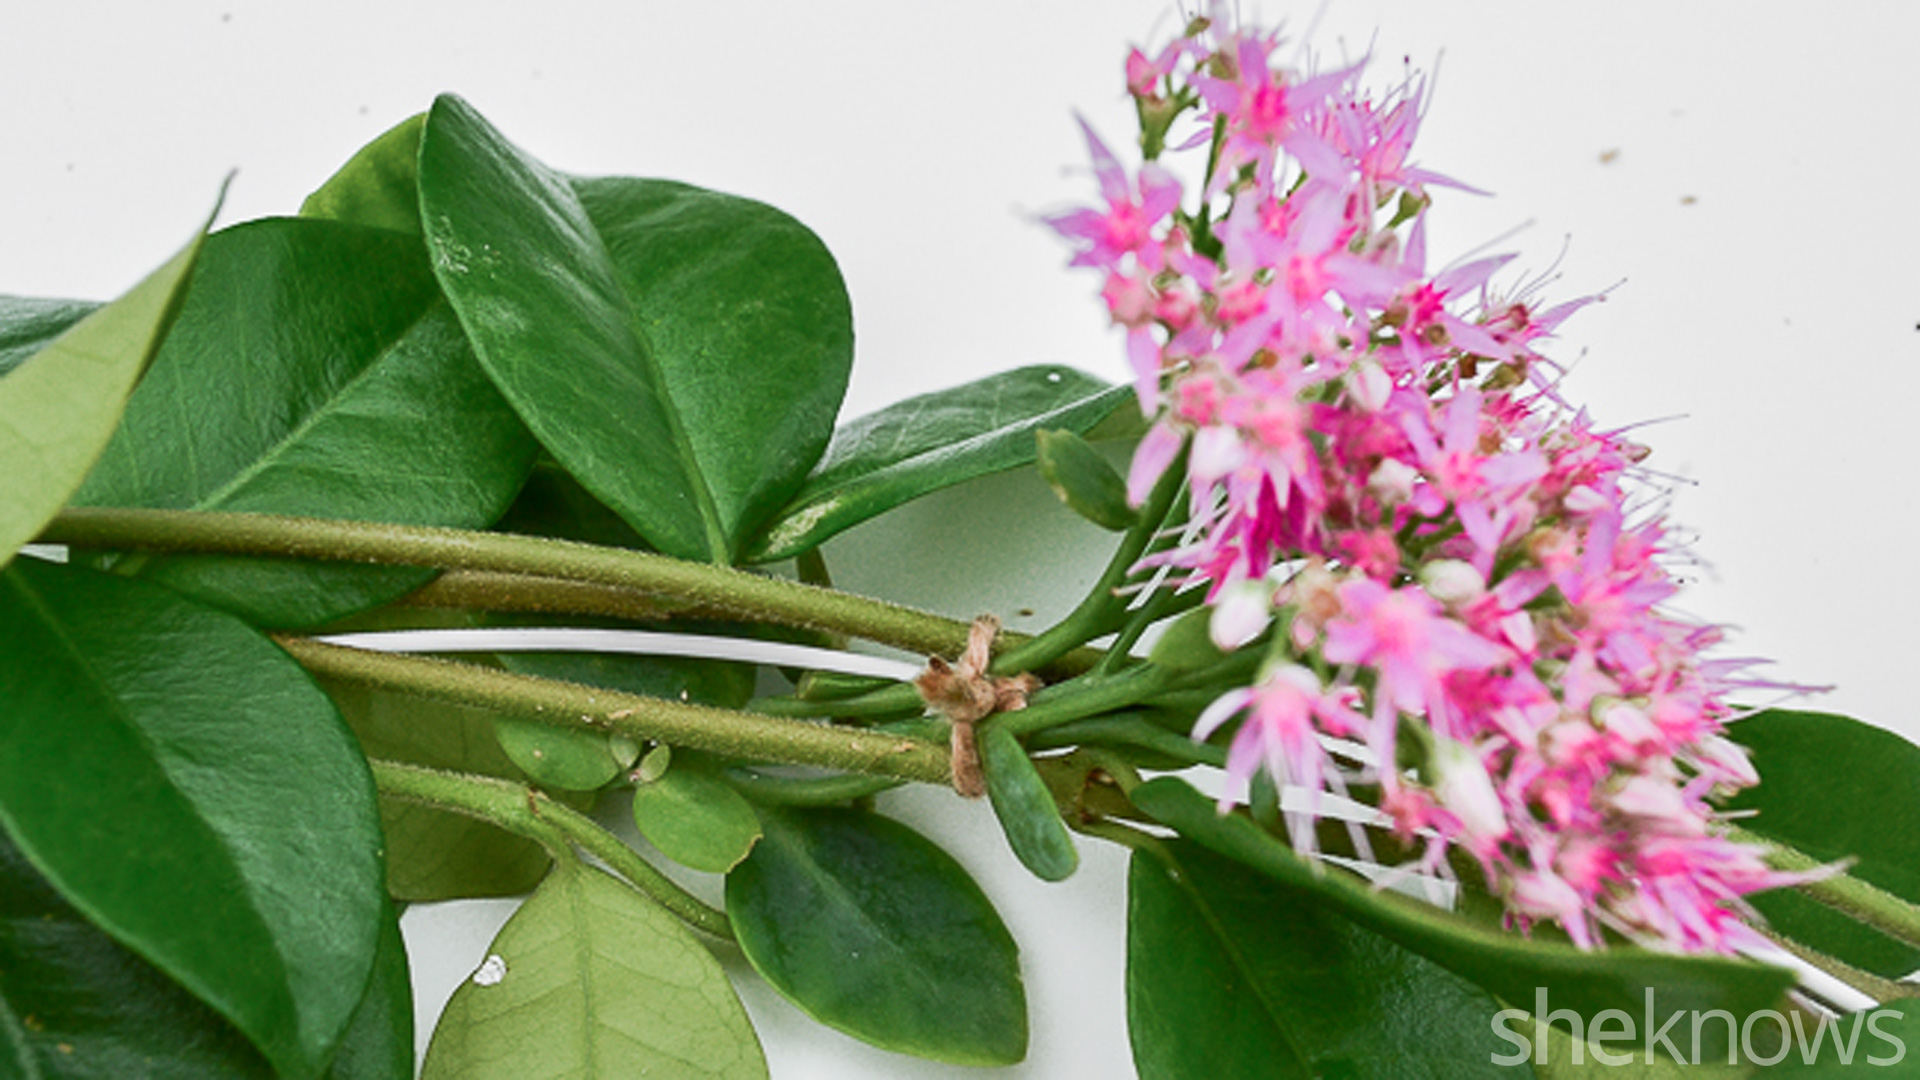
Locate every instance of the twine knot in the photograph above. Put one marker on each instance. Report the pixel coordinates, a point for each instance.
(965, 694)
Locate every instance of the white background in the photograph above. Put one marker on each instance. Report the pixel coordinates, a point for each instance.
(1758, 213)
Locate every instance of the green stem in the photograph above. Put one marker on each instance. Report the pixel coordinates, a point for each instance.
(736, 593)
(1125, 730)
(1095, 613)
(1085, 696)
(531, 813)
(1845, 893)
(721, 731)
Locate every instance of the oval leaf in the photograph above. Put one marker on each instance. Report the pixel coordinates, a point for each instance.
(243, 853)
(591, 980)
(934, 441)
(1508, 965)
(694, 817)
(562, 758)
(1804, 758)
(681, 352)
(379, 184)
(1025, 807)
(1083, 480)
(313, 371)
(1229, 975)
(874, 931)
(59, 408)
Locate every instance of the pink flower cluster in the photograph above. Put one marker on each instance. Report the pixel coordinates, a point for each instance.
(1380, 470)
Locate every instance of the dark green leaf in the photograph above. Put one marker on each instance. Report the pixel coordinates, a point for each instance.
(378, 1044)
(681, 352)
(80, 1005)
(1508, 965)
(563, 758)
(313, 371)
(59, 407)
(931, 442)
(591, 981)
(693, 816)
(1025, 807)
(554, 504)
(1232, 974)
(29, 324)
(379, 184)
(871, 929)
(183, 783)
(1804, 759)
(1081, 477)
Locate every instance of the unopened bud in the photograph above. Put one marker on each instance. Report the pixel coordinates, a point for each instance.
(1240, 612)
(1392, 481)
(1452, 582)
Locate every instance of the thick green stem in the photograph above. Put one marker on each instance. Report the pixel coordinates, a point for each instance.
(736, 593)
(531, 813)
(1845, 893)
(720, 731)
(1085, 696)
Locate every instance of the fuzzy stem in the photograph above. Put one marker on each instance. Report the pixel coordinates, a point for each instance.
(806, 791)
(533, 814)
(736, 593)
(721, 731)
(1845, 893)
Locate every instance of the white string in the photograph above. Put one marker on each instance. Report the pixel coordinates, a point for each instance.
(633, 642)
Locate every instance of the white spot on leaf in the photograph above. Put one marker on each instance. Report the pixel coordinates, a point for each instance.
(492, 970)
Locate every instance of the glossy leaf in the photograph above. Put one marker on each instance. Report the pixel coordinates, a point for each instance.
(871, 929)
(1506, 964)
(59, 408)
(694, 817)
(82, 1005)
(183, 783)
(554, 504)
(934, 441)
(1083, 479)
(1025, 807)
(561, 758)
(1804, 759)
(379, 184)
(1231, 975)
(681, 352)
(29, 324)
(378, 1043)
(591, 980)
(314, 371)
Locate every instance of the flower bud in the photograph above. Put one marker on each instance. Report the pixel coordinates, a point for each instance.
(1452, 582)
(1462, 786)
(1392, 481)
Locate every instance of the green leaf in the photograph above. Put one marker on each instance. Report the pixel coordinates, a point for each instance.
(693, 816)
(434, 854)
(1187, 644)
(934, 441)
(560, 758)
(1508, 965)
(681, 352)
(871, 929)
(553, 504)
(29, 324)
(313, 371)
(1083, 480)
(1804, 758)
(378, 1043)
(379, 184)
(183, 783)
(1025, 807)
(591, 980)
(1229, 974)
(59, 408)
(79, 1004)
